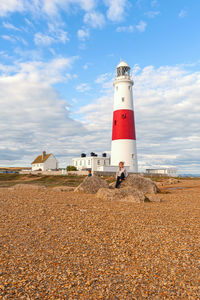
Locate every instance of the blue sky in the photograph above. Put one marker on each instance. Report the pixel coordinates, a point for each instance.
(57, 64)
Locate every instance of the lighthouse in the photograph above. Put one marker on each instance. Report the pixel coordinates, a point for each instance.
(123, 146)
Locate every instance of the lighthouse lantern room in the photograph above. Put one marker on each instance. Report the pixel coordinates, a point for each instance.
(123, 146)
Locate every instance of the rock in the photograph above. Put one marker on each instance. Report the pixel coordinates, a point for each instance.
(112, 185)
(91, 185)
(63, 188)
(126, 194)
(145, 185)
(172, 181)
(154, 198)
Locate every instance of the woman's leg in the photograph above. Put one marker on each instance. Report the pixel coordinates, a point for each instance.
(117, 181)
(122, 176)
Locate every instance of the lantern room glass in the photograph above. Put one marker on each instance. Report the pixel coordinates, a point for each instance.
(123, 71)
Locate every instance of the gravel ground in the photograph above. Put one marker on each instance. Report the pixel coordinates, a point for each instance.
(65, 245)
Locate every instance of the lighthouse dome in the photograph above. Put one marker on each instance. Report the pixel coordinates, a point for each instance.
(122, 64)
(123, 69)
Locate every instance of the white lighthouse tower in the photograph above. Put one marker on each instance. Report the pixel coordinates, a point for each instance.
(123, 133)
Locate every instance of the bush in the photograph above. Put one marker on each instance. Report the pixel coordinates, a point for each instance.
(71, 168)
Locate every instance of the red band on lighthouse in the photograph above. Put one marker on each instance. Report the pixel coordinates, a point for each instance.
(123, 125)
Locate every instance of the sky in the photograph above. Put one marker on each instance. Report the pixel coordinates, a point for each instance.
(58, 61)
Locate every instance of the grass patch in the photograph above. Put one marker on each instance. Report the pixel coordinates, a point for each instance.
(7, 180)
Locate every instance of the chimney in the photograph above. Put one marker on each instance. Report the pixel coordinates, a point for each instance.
(43, 154)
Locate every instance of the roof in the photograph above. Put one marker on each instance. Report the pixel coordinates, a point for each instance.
(122, 64)
(39, 159)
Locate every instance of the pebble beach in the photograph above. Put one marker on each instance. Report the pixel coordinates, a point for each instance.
(58, 244)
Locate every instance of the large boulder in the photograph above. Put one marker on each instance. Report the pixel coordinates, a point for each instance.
(126, 194)
(91, 185)
(145, 185)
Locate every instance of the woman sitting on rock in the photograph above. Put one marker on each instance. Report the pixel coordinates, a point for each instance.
(121, 174)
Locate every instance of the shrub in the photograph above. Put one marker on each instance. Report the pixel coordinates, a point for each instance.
(71, 168)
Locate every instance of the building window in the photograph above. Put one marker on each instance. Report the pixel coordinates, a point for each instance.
(89, 162)
(129, 87)
(116, 88)
(80, 163)
(122, 99)
(98, 162)
(133, 155)
(104, 162)
(76, 163)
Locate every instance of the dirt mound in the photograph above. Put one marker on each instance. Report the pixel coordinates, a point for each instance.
(27, 187)
(145, 185)
(91, 185)
(126, 195)
(63, 188)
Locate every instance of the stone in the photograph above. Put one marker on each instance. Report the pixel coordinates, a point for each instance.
(91, 185)
(145, 185)
(126, 194)
(154, 198)
(172, 181)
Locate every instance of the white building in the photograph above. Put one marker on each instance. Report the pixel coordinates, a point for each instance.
(45, 162)
(163, 171)
(94, 163)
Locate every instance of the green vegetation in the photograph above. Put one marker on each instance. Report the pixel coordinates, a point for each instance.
(7, 180)
(71, 168)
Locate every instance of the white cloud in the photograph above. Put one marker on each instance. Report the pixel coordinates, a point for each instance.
(182, 14)
(141, 26)
(83, 87)
(94, 19)
(14, 39)
(51, 8)
(152, 14)
(167, 113)
(54, 36)
(8, 25)
(105, 80)
(8, 38)
(33, 115)
(86, 66)
(83, 34)
(129, 28)
(10, 6)
(116, 9)
(58, 33)
(43, 39)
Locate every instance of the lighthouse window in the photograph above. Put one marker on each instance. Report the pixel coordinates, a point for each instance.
(129, 87)
(115, 122)
(133, 155)
(122, 99)
(123, 116)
